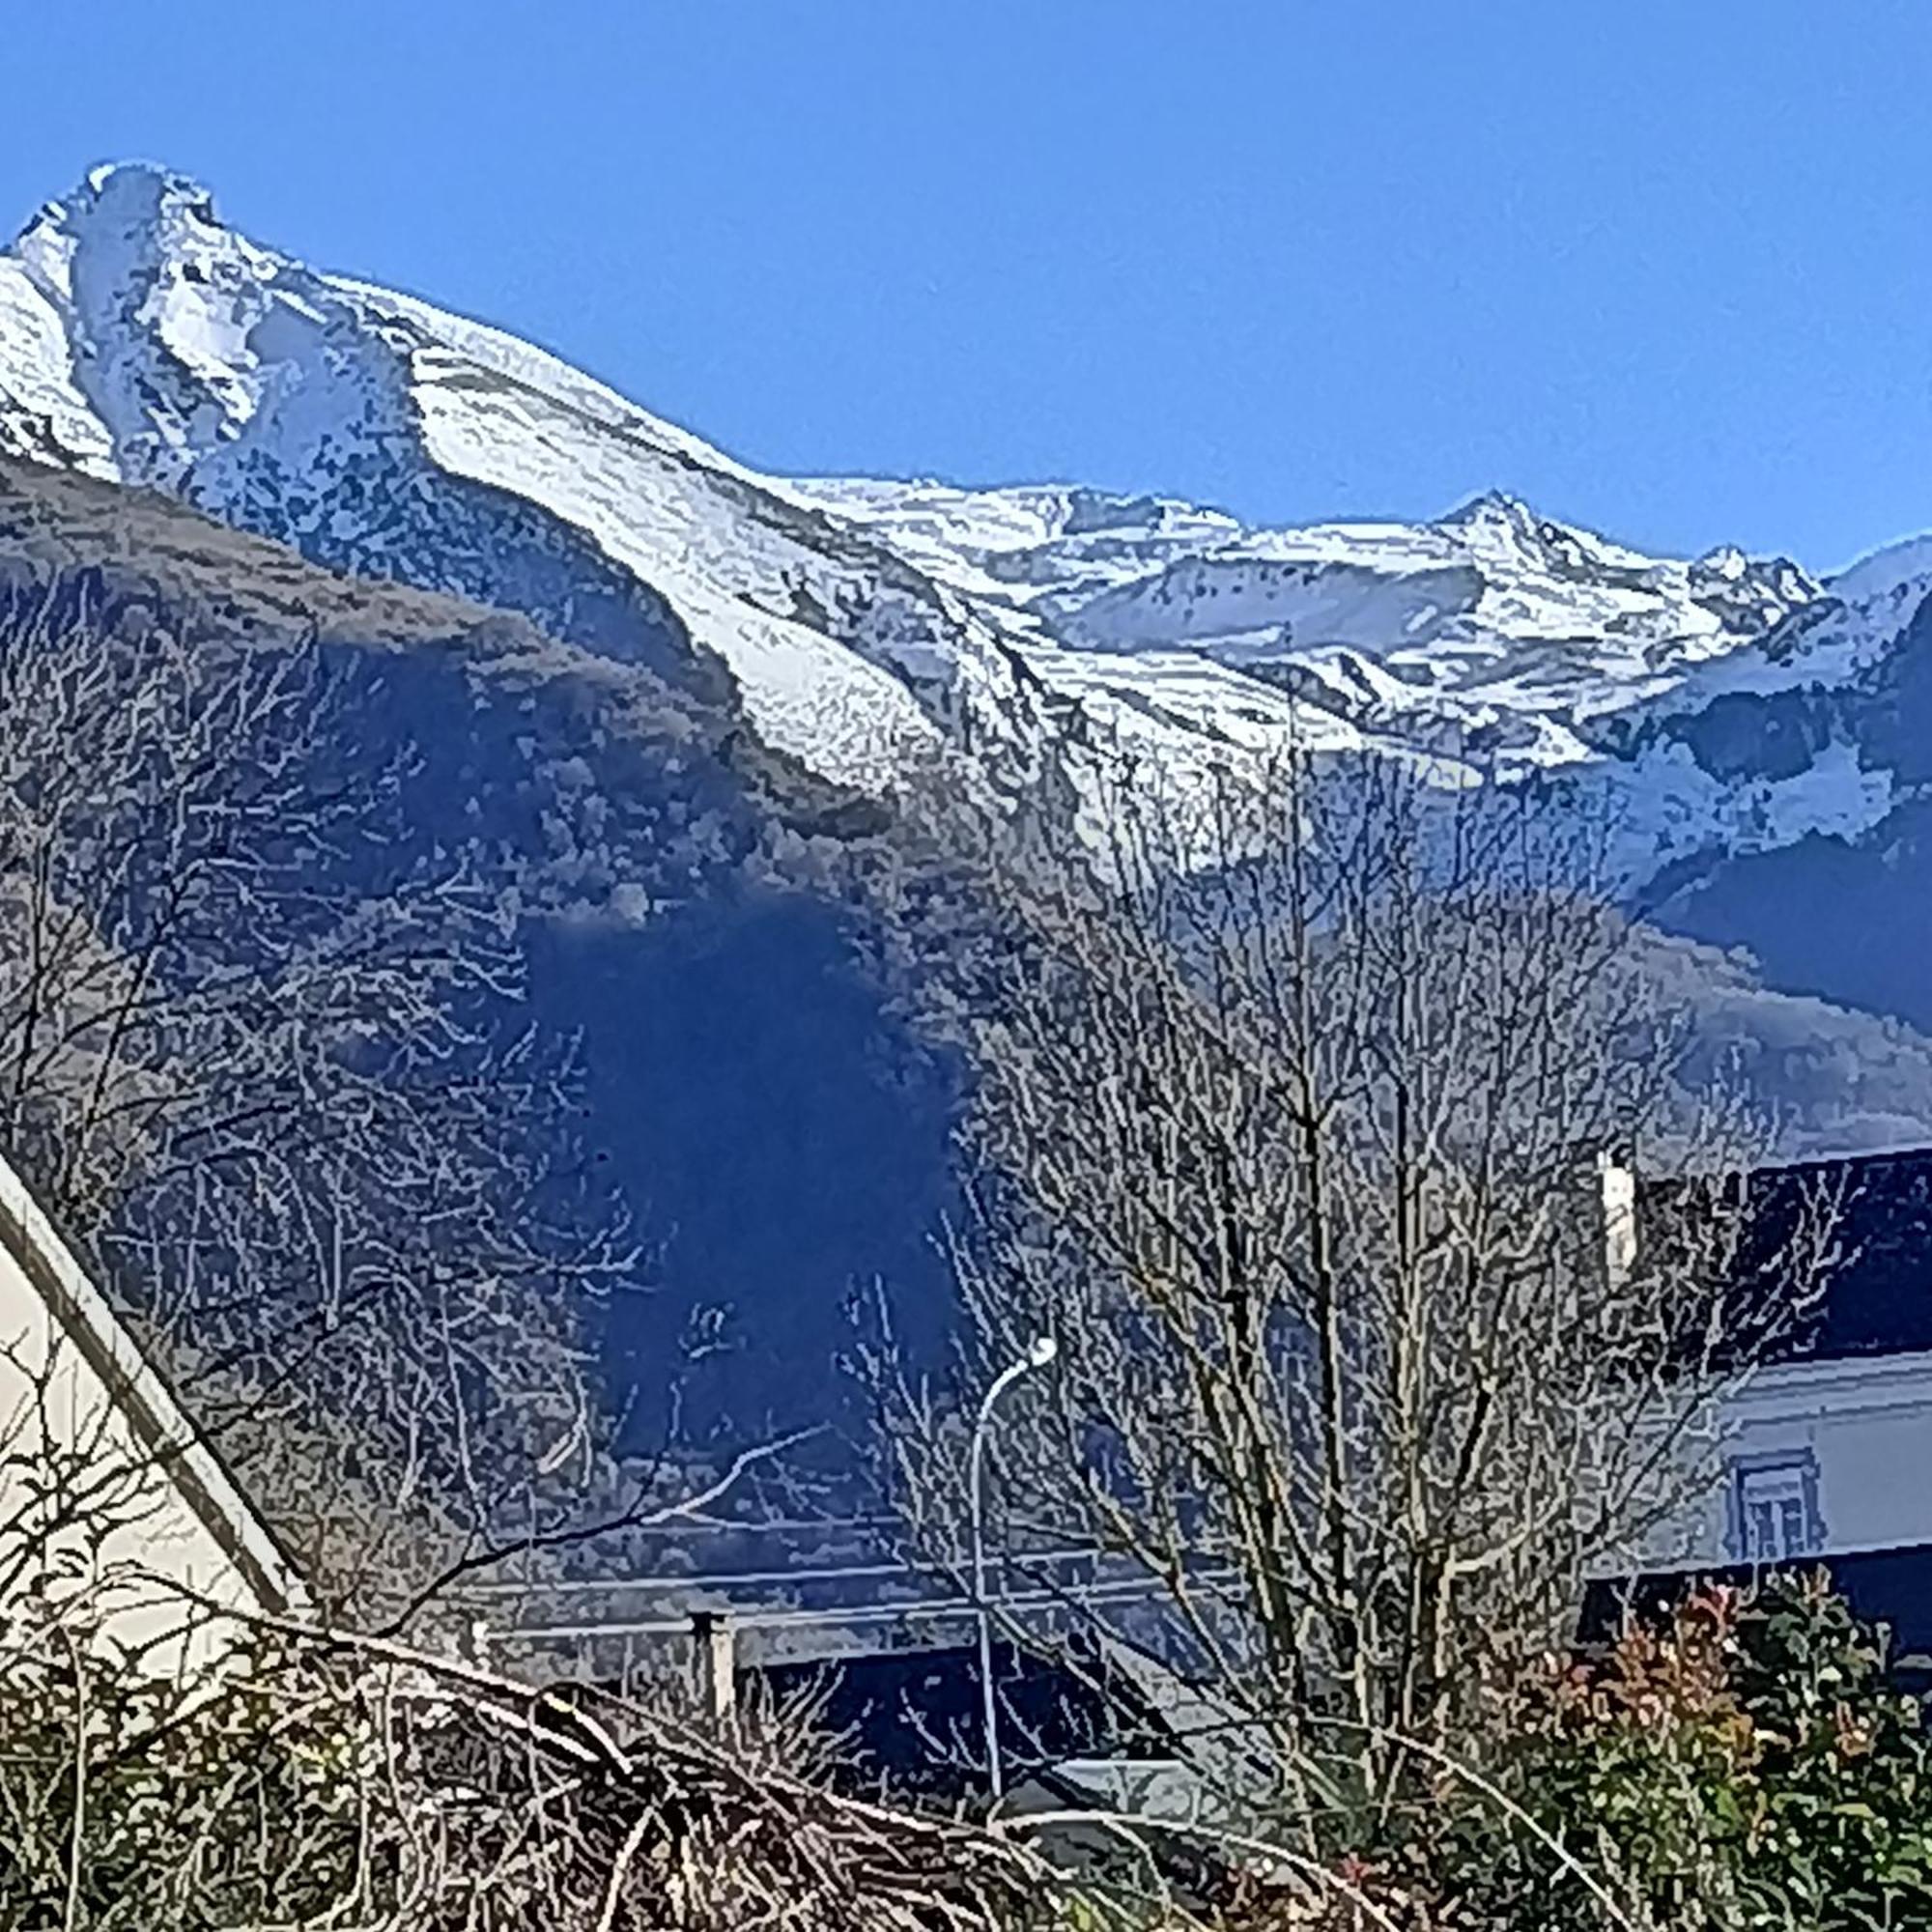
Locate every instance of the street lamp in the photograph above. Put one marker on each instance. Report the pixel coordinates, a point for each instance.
(1040, 1351)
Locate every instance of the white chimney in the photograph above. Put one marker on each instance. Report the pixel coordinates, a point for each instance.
(1618, 1179)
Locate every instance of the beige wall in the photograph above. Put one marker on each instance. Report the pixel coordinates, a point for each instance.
(103, 1488)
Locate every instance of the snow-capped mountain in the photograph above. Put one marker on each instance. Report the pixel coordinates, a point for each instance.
(854, 622)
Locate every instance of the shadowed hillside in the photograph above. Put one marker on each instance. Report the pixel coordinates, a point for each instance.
(745, 1095)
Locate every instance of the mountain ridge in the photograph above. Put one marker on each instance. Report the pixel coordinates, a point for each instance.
(1720, 711)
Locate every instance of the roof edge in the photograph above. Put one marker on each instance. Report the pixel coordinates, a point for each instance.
(135, 1386)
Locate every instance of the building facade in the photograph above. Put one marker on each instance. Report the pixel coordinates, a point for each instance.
(1824, 1447)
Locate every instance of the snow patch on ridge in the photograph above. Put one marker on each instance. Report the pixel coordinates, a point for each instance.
(827, 706)
(1674, 810)
(45, 417)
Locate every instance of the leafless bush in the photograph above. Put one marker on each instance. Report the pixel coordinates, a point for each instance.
(171, 1760)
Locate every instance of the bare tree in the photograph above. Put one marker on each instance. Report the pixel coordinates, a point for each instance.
(1286, 1099)
(258, 1056)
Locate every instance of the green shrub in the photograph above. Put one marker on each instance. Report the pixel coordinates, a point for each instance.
(1746, 1765)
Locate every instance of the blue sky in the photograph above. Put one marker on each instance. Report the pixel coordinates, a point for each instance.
(1662, 268)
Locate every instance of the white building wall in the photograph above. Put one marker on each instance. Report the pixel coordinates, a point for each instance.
(1864, 1428)
(1858, 1431)
(103, 1486)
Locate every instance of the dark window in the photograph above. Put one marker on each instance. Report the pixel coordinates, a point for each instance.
(1773, 1508)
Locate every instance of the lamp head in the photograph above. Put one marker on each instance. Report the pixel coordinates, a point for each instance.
(1040, 1351)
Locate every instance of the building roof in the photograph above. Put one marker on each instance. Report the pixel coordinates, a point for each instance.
(912, 1718)
(1873, 1291)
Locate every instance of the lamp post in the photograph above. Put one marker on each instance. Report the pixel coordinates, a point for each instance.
(1040, 1352)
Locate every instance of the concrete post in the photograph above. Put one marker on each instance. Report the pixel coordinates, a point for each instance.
(714, 1644)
